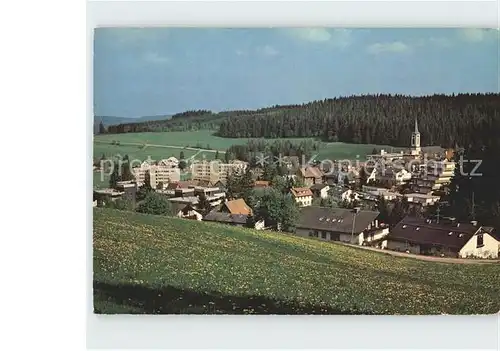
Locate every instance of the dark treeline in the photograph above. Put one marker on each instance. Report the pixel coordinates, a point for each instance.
(192, 113)
(475, 188)
(253, 149)
(373, 119)
(370, 119)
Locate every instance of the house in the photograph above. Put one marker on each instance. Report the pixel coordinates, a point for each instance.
(310, 175)
(189, 212)
(391, 175)
(235, 207)
(320, 190)
(350, 195)
(302, 196)
(353, 226)
(239, 220)
(102, 196)
(444, 237)
(422, 199)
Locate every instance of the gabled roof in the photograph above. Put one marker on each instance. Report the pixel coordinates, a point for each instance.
(299, 192)
(238, 206)
(216, 216)
(426, 231)
(311, 172)
(261, 183)
(318, 187)
(335, 219)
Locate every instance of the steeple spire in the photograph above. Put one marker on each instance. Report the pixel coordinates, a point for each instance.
(416, 126)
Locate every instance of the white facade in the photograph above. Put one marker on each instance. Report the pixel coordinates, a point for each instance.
(166, 171)
(323, 193)
(215, 171)
(480, 247)
(303, 201)
(422, 199)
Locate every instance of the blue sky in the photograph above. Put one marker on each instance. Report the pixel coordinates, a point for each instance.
(156, 71)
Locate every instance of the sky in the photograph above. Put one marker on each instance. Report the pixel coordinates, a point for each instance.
(161, 71)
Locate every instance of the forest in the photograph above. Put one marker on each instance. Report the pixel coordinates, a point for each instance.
(444, 120)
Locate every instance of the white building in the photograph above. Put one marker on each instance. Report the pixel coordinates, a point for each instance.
(340, 224)
(303, 196)
(165, 171)
(443, 237)
(215, 171)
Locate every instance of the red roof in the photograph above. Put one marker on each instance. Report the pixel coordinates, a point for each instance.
(300, 192)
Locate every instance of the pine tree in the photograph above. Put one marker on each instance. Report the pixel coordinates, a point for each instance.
(102, 129)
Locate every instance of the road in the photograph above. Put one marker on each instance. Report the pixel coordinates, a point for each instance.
(165, 146)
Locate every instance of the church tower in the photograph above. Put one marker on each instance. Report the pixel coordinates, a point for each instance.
(415, 140)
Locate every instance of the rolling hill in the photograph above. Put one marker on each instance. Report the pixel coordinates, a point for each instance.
(154, 264)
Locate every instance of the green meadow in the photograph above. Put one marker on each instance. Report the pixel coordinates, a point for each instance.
(102, 145)
(155, 264)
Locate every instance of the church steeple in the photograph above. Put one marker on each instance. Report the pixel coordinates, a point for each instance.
(415, 140)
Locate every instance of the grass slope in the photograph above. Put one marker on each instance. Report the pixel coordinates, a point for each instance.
(204, 137)
(153, 264)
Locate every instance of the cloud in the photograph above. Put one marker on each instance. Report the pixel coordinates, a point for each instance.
(340, 37)
(394, 47)
(267, 50)
(476, 35)
(240, 53)
(154, 57)
(312, 34)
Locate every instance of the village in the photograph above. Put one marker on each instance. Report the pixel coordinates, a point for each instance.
(337, 201)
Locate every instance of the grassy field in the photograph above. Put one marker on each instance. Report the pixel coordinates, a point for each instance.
(153, 264)
(206, 137)
(156, 153)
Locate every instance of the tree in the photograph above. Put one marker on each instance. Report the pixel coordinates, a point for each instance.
(102, 129)
(250, 223)
(374, 151)
(159, 186)
(182, 161)
(276, 209)
(115, 176)
(155, 204)
(362, 177)
(126, 171)
(120, 204)
(145, 188)
(203, 204)
(217, 154)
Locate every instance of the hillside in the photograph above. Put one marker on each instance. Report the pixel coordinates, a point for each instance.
(152, 264)
(367, 119)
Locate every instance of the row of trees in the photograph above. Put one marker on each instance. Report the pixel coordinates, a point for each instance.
(369, 119)
(255, 149)
(372, 119)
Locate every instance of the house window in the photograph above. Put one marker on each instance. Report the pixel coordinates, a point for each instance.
(316, 233)
(323, 235)
(480, 242)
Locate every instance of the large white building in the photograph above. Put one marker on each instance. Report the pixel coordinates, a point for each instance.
(215, 171)
(165, 171)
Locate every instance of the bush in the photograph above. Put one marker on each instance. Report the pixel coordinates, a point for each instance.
(155, 204)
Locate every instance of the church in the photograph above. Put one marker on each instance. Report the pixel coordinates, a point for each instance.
(415, 141)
